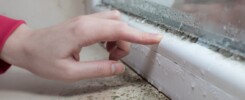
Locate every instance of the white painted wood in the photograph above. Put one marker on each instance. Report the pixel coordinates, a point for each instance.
(223, 73)
(184, 70)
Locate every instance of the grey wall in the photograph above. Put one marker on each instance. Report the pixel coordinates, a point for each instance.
(42, 13)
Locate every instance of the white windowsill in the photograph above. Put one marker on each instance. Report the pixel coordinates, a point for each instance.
(184, 70)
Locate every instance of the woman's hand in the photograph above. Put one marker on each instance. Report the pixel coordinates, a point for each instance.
(53, 52)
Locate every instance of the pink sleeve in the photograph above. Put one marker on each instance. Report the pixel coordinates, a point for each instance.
(7, 27)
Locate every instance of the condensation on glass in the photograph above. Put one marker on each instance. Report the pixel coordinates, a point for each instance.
(219, 23)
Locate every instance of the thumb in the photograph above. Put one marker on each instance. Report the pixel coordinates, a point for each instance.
(94, 69)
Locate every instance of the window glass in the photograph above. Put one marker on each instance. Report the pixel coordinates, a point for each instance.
(218, 24)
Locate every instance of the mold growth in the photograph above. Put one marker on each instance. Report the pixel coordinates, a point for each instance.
(193, 34)
(127, 86)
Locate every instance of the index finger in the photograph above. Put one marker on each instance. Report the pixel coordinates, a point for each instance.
(111, 30)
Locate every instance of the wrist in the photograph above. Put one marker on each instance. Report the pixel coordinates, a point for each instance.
(14, 44)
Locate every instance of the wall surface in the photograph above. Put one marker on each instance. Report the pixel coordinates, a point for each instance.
(42, 13)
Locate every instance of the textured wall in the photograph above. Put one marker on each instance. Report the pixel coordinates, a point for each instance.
(42, 13)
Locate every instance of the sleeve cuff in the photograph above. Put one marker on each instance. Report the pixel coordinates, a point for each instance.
(7, 27)
(4, 66)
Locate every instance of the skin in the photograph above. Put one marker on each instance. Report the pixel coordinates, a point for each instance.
(53, 52)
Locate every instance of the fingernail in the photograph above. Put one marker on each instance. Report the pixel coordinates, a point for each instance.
(157, 35)
(116, 11)
(117, 68)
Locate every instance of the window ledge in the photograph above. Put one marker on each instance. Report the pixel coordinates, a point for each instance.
(184, 70)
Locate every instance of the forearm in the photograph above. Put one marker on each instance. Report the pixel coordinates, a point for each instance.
(15, 42)
(7, 27)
